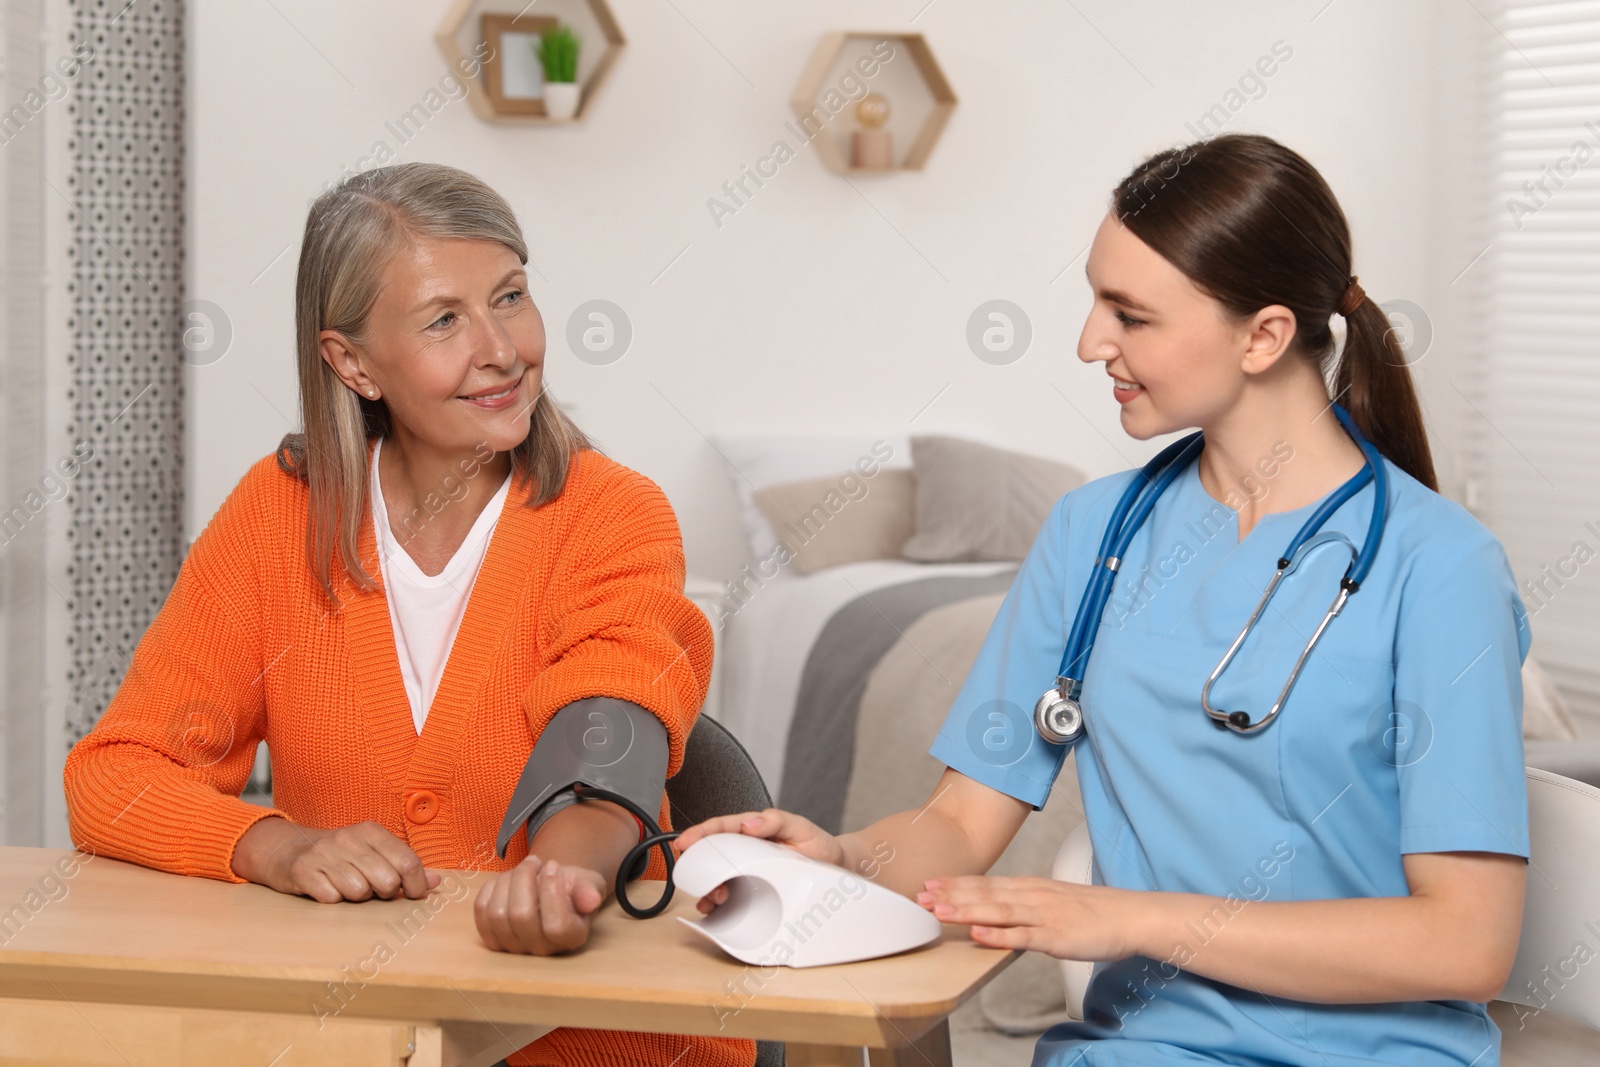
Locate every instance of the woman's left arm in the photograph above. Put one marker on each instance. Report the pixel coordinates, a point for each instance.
(620, 626)
(1453, 938)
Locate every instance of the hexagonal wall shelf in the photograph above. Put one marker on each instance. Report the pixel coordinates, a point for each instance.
(900, 68)
(461, 39)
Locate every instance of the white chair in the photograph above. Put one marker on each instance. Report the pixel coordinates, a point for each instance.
(1558, 958)
(1075, 863)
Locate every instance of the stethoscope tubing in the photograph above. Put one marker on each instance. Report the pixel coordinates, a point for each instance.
(1140, 497)
(1355, 573)
(1155, 476)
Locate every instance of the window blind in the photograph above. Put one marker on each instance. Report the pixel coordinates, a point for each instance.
(1535, 450)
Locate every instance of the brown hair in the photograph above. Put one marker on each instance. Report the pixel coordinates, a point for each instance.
(352, 232)
(1252, 223)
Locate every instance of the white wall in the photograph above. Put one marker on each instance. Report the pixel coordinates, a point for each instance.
(824, 303)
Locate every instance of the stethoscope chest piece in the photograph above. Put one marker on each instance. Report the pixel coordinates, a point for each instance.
(1058, 717)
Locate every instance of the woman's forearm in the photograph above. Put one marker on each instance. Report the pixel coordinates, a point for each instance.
(256, 848)
(1328, 951)
(962, 829)
(593, 834)
(902, 850)
(1454, 937)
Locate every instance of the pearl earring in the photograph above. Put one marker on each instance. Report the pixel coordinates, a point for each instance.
(372, 393)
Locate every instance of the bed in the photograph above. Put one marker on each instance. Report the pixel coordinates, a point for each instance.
(837, 682)
(836, 674)
(779, 653)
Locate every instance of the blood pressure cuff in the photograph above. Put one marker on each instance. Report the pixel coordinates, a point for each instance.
(601, 742)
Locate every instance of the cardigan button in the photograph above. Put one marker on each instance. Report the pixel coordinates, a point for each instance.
(422, 806)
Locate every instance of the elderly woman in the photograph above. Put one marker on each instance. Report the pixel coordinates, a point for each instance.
(400, 600)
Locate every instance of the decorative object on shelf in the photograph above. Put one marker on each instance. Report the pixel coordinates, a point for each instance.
(557, 49)
(856, 66)
(872, 146)
(507, 79)
(513, 77)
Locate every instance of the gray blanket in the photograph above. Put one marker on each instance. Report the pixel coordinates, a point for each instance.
(874, 689)
(822, 737)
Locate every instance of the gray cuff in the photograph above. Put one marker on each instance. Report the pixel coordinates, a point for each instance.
(603, 742)
(560, 802)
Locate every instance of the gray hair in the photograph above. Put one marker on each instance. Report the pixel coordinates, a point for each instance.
(352, 232)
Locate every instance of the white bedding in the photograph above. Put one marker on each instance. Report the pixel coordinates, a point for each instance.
(765, 646)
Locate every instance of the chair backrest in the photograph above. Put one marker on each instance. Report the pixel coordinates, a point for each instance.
(718, 777)
(1558, 957)
(1075, 863)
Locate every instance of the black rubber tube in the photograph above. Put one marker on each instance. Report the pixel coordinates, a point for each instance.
(638, 856)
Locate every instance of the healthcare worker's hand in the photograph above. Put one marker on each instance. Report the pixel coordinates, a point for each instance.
(538, 908)
(1063, 919)
(356, 862)
(784, 827)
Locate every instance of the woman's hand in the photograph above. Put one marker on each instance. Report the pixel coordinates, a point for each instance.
(786, 828)
(355, 862)
(1064, 919)
(538, 909)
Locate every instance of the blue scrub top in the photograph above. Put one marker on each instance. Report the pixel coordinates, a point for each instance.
(1403, 734)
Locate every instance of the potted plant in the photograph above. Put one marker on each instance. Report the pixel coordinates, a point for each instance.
(557, 49)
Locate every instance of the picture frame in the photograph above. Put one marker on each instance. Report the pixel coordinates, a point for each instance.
(513, 79)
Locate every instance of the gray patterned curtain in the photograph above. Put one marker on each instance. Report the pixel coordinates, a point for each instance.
(124, 196)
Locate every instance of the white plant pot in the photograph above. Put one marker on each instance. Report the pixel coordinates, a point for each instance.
(561, 100)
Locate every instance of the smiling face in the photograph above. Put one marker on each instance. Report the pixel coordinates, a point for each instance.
(1186, 358)
(453, 346)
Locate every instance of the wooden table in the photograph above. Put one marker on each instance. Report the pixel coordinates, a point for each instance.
(117, 964)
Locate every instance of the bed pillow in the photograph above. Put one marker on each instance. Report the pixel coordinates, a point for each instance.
(975, 502)
(755, 461)
(843, 519)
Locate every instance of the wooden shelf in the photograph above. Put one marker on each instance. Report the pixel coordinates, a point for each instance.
(920, 97)
(459, 38)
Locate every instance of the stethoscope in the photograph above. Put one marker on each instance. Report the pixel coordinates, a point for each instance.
(1058, 715)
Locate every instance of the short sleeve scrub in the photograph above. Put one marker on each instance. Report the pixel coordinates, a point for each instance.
(1402, 734)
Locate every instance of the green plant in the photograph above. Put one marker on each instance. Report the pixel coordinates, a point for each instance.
(557, 49)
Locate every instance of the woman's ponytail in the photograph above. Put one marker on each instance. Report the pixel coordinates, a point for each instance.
(1253, 223)
(1374, 385)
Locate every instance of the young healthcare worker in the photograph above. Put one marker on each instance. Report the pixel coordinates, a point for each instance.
(1337, 880)
(402, 602)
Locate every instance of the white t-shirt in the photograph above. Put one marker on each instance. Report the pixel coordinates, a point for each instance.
(426, 610)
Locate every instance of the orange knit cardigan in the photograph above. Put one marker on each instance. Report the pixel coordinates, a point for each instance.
(582, 596)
